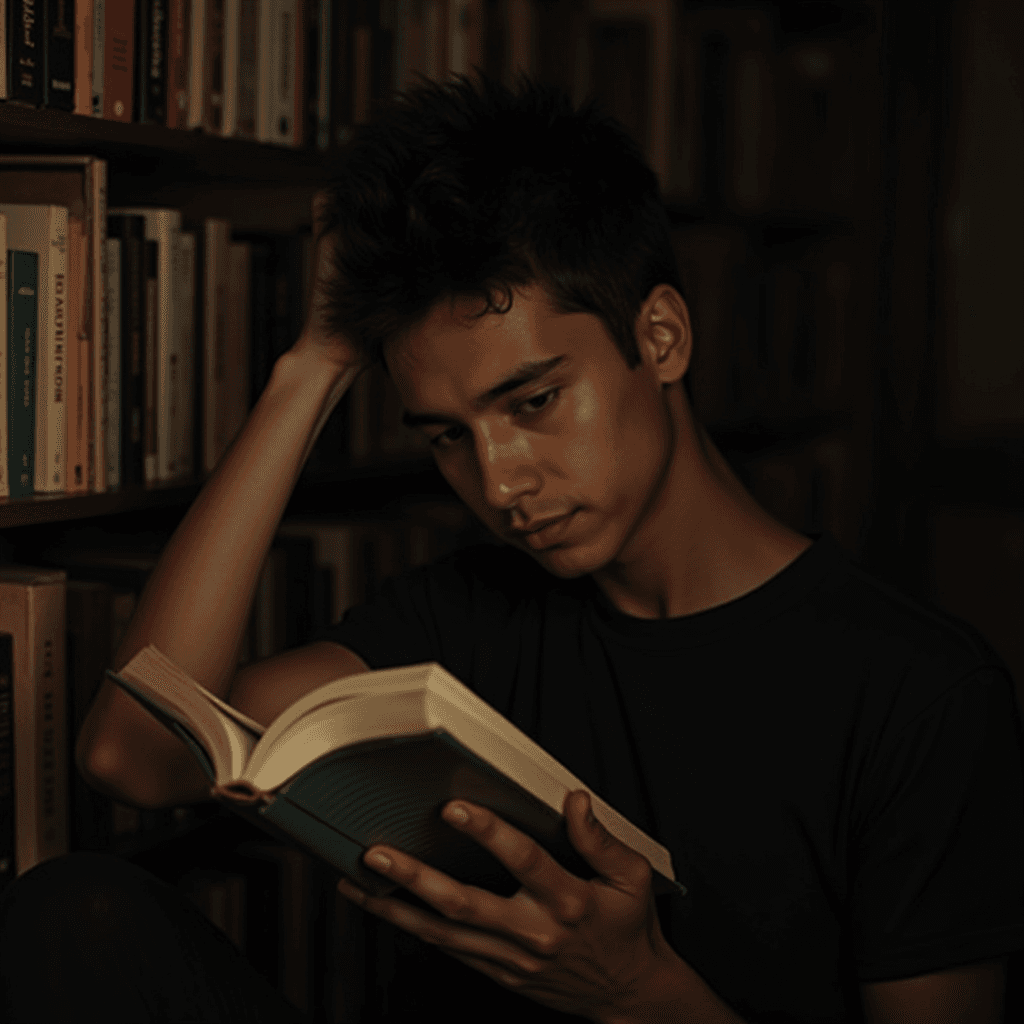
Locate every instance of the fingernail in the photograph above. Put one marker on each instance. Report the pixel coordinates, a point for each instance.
(379, 860)
(457, 814)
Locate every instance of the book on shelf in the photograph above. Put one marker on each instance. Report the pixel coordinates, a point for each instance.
(163, 226)
(43, 229)
(20, 333)
(32, 610)
(373, 758)
(151, 54)
(77, 183)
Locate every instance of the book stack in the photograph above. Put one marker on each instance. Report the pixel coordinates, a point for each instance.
(133, 352)
(292, 73)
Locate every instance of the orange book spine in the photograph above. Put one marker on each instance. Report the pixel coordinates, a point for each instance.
(119, 59)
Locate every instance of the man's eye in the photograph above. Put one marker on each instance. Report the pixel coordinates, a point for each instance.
(537, 398)
(442, 440)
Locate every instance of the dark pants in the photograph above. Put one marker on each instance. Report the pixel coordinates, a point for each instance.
(93, 937)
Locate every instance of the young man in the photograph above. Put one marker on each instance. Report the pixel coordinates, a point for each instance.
(835, 770)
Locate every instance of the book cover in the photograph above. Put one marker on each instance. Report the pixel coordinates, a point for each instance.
(23, 318)
(118, 59)
(43, 229)
(32, 610)
(60, 54)
(373, 758)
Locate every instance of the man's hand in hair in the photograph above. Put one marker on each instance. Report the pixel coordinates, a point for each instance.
(593, 948)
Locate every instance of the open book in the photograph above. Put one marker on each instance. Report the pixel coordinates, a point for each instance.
(373, 758)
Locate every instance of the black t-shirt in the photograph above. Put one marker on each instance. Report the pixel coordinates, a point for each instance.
(835, 769)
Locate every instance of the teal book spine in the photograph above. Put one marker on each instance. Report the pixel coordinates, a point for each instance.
(22, 335)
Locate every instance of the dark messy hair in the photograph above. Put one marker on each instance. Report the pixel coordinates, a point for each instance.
(466, 189)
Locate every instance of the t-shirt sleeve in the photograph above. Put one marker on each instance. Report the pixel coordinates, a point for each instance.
(937, 859)
(421, 615)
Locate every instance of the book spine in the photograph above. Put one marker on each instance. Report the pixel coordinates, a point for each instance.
(6, 345)
(197, 61)
(235, 372)
(213, 65)
(362, 70)
(34, 613)
(187, 334)
(97, 319)
(23, 306)
(118, 60)
(52, 353)
(112, 249)
(179, 37)
(7, 809)
(232, 15)
(340, 102)
(26, 52)
(99, 15)
(143, 55)
(76, 449)
(83, 57)
(150, 332)
(248, 69)
(60, 54)
(217, 233)
(324, 83)
(300, 86)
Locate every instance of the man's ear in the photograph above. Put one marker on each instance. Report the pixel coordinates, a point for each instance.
(664, 335)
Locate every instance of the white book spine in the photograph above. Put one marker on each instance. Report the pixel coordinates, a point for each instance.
(186, 318)
(197, 76)
(97, 57)
(232, 16)
(5, 488)
(51, 393)
(98, 327)
(163, 226)
(112, 277)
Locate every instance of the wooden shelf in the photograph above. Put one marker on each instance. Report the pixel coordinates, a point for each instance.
(358, 489)
(150, 150)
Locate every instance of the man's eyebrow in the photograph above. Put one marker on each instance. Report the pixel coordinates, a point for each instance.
(525, 373)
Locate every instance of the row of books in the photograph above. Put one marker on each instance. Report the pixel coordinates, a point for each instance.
(134, 345)
(66, 616)
(294, 73)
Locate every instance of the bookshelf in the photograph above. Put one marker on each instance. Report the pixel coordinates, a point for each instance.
(820, 453)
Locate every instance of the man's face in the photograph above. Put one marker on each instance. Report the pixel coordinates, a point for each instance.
(589, 439)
